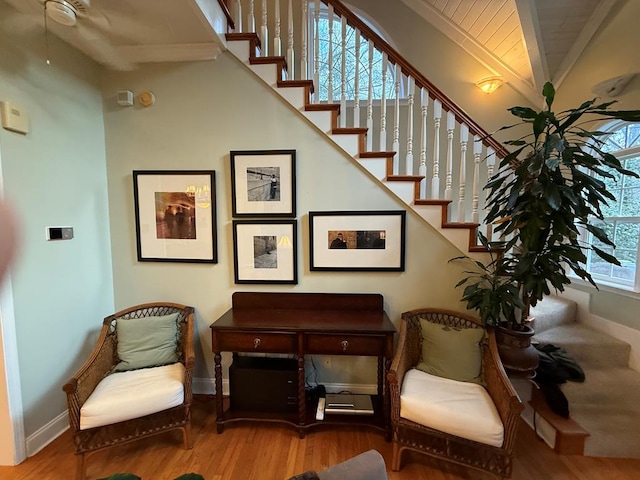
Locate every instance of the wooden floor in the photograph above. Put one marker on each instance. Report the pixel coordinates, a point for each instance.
(253, 451)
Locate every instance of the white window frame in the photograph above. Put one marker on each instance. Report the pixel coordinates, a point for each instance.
(324, 14)
(607, 280)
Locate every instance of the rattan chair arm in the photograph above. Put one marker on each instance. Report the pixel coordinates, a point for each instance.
(84, 381)
(501, 390)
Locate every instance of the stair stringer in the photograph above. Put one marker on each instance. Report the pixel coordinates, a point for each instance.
(351, 141)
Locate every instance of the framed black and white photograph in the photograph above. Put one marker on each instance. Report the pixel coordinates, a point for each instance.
(265, 251)
(357, 241)
(175, 213)
(263, 183)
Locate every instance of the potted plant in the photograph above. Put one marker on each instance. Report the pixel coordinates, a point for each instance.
(546, 192)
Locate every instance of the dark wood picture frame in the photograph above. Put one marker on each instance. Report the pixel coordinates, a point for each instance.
(175, 215)
(265, 251)
(353, 241)
(263, 183)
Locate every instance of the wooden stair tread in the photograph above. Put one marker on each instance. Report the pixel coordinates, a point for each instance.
(376, 154)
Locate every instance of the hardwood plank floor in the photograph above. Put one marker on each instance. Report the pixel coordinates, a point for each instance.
(261, 451)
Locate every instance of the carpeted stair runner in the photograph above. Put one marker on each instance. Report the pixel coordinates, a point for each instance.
(607, 404)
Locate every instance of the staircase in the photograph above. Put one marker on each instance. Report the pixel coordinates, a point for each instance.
(604, 409)
(352, 141)
(604, 416)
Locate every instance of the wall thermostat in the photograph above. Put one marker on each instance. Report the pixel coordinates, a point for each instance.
(14, 117)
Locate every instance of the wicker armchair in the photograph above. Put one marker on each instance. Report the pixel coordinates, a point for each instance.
(413, 436)
(101, 363)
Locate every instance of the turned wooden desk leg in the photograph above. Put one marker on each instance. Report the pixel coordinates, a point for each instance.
(217, 358)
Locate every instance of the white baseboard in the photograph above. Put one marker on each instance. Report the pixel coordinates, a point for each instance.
(47, 434)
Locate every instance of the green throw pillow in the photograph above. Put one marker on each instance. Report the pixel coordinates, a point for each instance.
(451, 352)
(147, 341)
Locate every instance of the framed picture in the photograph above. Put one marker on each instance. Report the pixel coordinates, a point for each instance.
(265, 251)
(357, 241)
(263, 183)
(175, 215)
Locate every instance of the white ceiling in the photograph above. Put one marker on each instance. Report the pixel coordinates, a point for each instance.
(528, 42)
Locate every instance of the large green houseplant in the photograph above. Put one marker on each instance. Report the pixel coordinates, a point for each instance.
(544, 194)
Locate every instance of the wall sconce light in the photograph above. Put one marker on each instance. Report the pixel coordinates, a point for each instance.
(490, 84)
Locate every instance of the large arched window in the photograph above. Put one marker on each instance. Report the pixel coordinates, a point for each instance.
(353, 59)
(622, 217)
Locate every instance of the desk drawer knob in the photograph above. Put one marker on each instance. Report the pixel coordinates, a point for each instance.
(345, 345)
(256, 342)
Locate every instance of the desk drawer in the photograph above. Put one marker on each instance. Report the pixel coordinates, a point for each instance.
(257, 341)
(336, 344)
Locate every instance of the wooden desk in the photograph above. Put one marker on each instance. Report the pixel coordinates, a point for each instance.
(300, 324)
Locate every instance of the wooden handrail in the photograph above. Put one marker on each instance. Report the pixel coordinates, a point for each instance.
(435, 93)
(227, 13)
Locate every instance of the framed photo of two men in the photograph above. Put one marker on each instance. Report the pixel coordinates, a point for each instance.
(357, 241)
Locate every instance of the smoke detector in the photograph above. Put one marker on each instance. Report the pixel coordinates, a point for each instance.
(65, 12)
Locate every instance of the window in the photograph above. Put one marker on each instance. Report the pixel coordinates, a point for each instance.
(622, 217)
(353, 60)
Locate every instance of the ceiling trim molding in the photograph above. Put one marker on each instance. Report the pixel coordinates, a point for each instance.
(186, 52)
(595, 20)
(475, 49)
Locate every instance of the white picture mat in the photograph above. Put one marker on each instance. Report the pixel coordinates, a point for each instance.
(243, 205)
(389, 257)
(244, 243)
(171, 248)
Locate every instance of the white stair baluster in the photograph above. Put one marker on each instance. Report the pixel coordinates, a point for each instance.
(477, 150)
(435, 180)
(464, 138)
(383, 105)
(238, 15)
(491, 161)
(316, 53)
(251, 19)
(330, 58)
(290, 51)
(304, 68)
(370, 100)
(277, 44)
(451, 124)
(264, 30)
(396, 122)
(410, 99)
(422, 170)
(356, 84)
(343, 71)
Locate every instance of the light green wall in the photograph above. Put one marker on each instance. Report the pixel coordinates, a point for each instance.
(204, 110)
(55, 176)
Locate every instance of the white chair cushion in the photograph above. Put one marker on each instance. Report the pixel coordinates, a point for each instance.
(463, 409)
(125, 395)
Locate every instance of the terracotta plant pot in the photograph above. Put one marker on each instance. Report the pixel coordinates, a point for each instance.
(516, 352)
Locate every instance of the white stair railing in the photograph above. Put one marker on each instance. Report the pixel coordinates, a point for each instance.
(351, 57)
